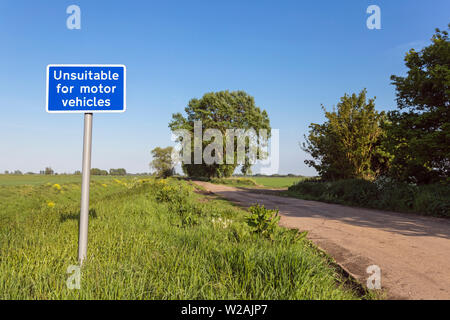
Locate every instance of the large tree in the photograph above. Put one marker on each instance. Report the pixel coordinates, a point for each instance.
(419, 132)
(347, 144)
(220, 110)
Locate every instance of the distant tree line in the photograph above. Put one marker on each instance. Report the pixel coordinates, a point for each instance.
(17, 172)
(112, 172)
(94, 171)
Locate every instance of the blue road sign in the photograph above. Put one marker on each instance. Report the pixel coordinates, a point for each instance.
(91, 88)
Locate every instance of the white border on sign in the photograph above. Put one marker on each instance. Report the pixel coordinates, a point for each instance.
(89, 65)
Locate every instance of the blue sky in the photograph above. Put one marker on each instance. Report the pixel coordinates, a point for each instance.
(292, 56)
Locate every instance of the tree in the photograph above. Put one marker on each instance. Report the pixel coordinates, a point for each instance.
(118, 172)
(347, 145)
(98, 172)
(220, 110)
(49, 171)
(162, 162)
(419, 131)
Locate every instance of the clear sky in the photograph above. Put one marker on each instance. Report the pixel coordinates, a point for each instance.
(292, 56)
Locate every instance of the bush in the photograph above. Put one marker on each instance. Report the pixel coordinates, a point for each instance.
(384, 193)
(179, 200)
(263, 221)
(434, 200)
(357, 191)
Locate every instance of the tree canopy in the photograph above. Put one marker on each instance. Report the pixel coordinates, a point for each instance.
(220, 110)
(419, 131)
(347, 144)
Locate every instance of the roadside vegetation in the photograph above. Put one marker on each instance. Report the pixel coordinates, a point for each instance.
(398, 160)
(154, 239)
(384, 194)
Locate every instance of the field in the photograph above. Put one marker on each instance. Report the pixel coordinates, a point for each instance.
(277, 182)
(266, 182)
(150, 239)
(35, 179)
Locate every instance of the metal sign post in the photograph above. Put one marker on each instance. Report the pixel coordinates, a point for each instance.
(88, 89)
(86, 175)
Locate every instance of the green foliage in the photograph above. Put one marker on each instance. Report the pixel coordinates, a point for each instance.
(98, 172)
(383, 193)
(290, 236)
(118, 172)
(162, 162)
(419, 132)
(220, 110)
(347, 144)
(137, 252)
(263, 221)
(179, 200)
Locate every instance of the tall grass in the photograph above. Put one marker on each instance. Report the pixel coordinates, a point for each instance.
(141, 246)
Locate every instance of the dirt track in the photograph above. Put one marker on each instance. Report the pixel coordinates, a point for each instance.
(412, 251)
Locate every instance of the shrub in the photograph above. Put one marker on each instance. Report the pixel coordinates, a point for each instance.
(311, 187)
(263, 221)
(179, 200)
(384, 193)
(397, 196)
(434, 200)
(357, 191)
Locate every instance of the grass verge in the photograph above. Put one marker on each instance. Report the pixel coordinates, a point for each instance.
(151, 239)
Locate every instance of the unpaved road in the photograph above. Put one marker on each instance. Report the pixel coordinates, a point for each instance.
(412, 251)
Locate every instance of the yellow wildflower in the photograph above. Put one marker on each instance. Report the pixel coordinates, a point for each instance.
(50, 204)
(56, 187)
(104, 184)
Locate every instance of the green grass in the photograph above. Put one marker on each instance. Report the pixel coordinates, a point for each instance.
(248, 182)
(277, 182)
(237, 182)
(151, 240)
